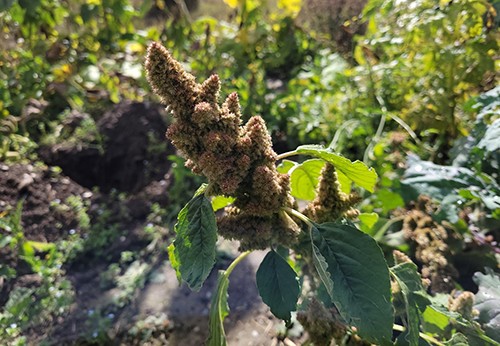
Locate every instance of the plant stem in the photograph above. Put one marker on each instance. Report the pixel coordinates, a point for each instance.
(302, 217)
(287, 154)
(237, 260)
(380, 233)
(426, 337)
(337, 134)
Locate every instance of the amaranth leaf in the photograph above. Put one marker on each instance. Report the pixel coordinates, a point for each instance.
(414, 297)
(356, 171)
(194, 250)
(362, 290)
(278, 285)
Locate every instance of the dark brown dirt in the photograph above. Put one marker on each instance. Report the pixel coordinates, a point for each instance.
(42, 192)
(134, 150)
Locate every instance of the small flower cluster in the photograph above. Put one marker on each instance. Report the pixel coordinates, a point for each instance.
(238, 160)
(331, 203)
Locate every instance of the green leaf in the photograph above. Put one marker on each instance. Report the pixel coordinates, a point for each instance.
(414, 297)
(219, 202)
(361, 282)
(219, 309)
(194, 245)
(278, 285)
(437, 318)
(345, 183)
(487, 302)
(356, 171)
(174, 261)
(40, 246)
(368, 220)
(458, 339)
(438, 181)
(304, 179)
(490, 140)
(285, 166)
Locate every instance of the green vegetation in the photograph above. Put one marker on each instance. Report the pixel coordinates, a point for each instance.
(357, 144)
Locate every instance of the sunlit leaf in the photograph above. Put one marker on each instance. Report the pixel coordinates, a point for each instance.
(219, 202)
(285, 166)
(356, 171)
(304, 179)
(368, 219)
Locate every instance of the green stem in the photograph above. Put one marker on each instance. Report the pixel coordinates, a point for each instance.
(237, 260)
(408, 129)
(386, 226)
(336, 136)
(426, 337)
(287, 154)
(302, 217)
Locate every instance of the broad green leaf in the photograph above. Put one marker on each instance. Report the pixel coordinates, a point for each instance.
(219, 202)
(285, 166)
(361, 282)
(487, 302)
(368, 220)
(436, 318)
(194, 245)
(491, 141)
(410, 282)
(438, 181)
(345, 183)
(356, 171)
(278, 285)
(219, 309)
(304, 179)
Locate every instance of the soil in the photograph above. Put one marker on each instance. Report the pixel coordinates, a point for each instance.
(162, 312)
(133, 152)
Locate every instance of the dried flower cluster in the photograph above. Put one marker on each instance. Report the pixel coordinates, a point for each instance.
(462, 302)
(431, 242)
(238, 160)
(331, 203)
(321, 323)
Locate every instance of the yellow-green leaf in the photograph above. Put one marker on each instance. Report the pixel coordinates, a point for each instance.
(304, 179)
(356, 171)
